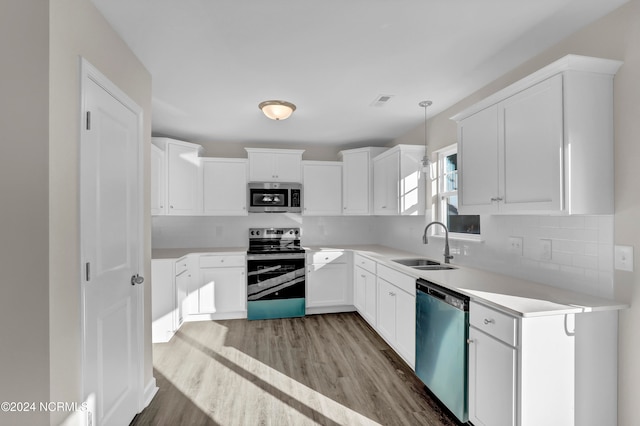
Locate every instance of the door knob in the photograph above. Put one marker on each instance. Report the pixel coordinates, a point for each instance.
(136, 279)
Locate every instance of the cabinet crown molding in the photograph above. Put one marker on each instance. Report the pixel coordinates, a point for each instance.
(569, 62)
(162, 142)
(275, 150)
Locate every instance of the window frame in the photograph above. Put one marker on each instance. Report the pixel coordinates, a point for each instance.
(442, 194)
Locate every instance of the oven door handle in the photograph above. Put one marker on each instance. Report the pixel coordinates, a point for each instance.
(276, 256)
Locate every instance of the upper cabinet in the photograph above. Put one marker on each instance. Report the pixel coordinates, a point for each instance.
(183, 179)
(357, 180)
(275, 165)
(398, 181)
(224, 182)
(543, 144)
(322, 193)
(158, 181)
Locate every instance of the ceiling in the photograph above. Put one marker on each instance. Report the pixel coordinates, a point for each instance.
(213, 61)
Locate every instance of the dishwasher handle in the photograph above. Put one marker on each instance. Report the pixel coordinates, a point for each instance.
(435, 293)
(446, 295)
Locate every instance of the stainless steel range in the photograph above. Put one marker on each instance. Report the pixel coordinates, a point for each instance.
(275, 274)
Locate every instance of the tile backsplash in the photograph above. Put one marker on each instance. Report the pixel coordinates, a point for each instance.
(581, 246)
(581, 249)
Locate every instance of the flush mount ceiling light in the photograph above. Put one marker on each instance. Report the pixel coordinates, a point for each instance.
(277, 110)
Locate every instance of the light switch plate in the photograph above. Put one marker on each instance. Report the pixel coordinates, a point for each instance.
(515, 245)
(623, 256)
(545, 249)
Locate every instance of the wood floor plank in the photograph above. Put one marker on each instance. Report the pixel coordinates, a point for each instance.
(315, 370)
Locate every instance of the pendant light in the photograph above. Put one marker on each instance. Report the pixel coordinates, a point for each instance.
(277, 110)
(426, 163)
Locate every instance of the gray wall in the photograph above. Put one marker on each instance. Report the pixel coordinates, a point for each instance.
(78, 29)
(24, 227)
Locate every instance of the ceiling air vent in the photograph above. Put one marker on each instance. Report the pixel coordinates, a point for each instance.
(381, 100)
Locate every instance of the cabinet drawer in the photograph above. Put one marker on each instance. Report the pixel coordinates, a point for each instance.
(497, 324)
(337, 256)
(365, 263)
(218, 260)
(181, 265)
(400, 280)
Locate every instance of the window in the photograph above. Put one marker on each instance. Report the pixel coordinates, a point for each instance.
(463, 225)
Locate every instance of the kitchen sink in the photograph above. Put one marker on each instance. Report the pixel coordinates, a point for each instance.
(434, 267)
(419, 261)
(423, 264)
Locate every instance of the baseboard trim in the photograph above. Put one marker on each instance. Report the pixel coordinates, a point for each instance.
(329, 309)
(149, 392)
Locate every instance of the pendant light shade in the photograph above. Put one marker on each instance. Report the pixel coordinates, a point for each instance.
(277, 110)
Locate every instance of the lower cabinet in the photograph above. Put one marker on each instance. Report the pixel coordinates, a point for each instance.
(221, 289)
(328, 283)
(182, 283)
(196, 287)
(522, 371)
(163, 307)
(492, 380)
(396, 320)
(365, 290)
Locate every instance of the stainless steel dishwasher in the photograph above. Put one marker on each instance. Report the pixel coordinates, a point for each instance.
(442, 329)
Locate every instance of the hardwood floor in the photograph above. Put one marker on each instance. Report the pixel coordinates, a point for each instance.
(316, 370)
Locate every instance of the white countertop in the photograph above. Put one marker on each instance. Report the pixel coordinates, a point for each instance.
(177, 253)
(514, 295)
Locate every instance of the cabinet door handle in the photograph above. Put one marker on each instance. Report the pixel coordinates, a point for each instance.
(488, 321)
(470, 341)
(362, 276)
(391, 293)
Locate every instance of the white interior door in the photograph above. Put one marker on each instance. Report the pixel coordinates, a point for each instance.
(110, 238)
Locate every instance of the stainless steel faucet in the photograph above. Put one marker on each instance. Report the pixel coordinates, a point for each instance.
(447, 256)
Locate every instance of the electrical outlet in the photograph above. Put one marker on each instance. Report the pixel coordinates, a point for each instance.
(515, 245)
(545, 249)
(623, 256)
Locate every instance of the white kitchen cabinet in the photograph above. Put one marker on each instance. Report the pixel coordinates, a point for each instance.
(518, 365)
(158, 181)
(357, 180)
(275, 165)
(322, 181)
(398, 181)
(328, 284)
(543, 144)
(492, 380)
(365, 288)
(163, 300)
(385, 182)
(224, 183)
(396, 321)
(185, 298)
(221, 287)
(183, 176)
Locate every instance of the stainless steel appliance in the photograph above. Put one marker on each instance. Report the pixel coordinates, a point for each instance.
(274, 197)
(275, 274)
(442, 329)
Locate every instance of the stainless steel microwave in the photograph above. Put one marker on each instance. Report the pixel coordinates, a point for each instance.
(275, 197)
